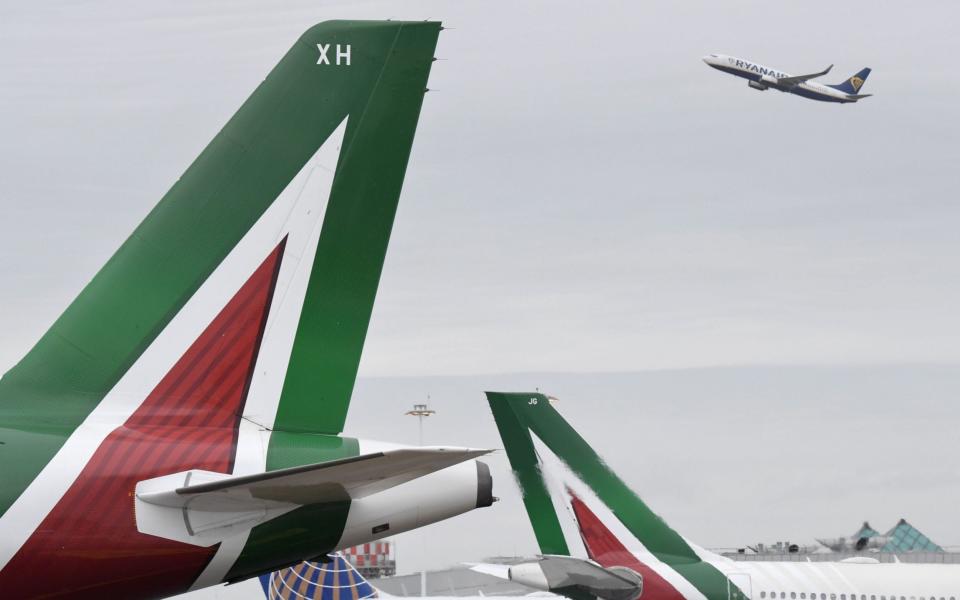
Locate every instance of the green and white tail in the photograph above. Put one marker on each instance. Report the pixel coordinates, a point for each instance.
(313, 161)
(579, 507)
(229, 322)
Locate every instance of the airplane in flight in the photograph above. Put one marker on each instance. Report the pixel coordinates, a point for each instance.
(179, 425)
(763, 78)
(579, 507)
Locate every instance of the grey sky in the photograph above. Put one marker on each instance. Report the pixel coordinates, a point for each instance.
(580, 180)
(728, 457)
(584, 195)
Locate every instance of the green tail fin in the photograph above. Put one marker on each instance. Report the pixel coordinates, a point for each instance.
(520, 418)
(522, 414)
(371, 75)
(394, 60)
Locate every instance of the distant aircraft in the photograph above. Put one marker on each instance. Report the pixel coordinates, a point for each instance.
(579, 507)
(762, 78)
(179, 425)
(334, 578)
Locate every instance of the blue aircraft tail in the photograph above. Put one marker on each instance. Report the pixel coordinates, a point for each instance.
(853, 85)
(334, 580)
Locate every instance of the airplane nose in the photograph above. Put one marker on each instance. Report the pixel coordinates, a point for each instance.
(706, 59)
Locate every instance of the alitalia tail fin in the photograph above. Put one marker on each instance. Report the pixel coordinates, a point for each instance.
(247, 291)
(578, 506)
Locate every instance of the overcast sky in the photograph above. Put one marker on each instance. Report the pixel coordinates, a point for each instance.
(584, 195)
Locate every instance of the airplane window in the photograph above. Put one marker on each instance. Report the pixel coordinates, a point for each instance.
(763, 594)
(803, 596)
(843, 597)
(783, 594)
(833, 597)
(793, 595)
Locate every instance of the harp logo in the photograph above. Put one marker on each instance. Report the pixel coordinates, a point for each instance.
(341, 56)
(856, 82)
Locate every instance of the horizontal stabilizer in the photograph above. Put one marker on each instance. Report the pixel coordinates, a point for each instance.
(797, 79)
(203, 508)
(573, 577)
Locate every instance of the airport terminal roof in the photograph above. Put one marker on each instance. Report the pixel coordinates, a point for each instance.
(866, 531)
(904, 537)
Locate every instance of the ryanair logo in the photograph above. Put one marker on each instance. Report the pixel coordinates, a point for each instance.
(749, 66)
(856, 82)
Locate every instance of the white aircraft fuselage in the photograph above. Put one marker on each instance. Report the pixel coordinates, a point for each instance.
(761, 78)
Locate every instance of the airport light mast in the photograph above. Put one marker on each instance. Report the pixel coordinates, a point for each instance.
(420, 411)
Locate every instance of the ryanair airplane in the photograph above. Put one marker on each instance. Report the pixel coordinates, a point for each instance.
(762, 78)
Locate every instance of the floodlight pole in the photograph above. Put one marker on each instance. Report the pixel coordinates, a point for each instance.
(420, 411)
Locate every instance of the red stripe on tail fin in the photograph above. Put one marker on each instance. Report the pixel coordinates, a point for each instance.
(89, 541)
(604, 548)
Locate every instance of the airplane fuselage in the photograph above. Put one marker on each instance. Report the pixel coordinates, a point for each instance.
(828, 580)
(762, 77)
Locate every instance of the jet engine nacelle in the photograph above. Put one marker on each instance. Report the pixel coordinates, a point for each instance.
(318, 507)
(757, 85)
(425, 500)
(768, 81)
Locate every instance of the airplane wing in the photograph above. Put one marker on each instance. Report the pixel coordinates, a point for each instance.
(202, 508)
(796, 79)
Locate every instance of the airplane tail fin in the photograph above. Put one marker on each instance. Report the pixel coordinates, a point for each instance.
(248, 289)
(578, 506)
(854, 83)
(333, 580)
